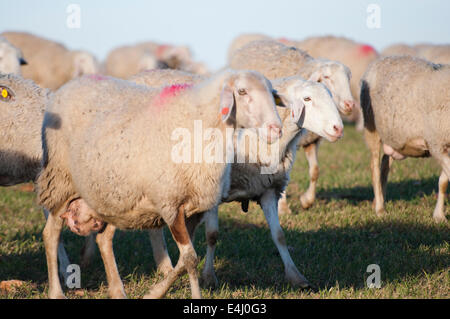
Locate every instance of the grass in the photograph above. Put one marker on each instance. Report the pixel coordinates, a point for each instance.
(332, 243)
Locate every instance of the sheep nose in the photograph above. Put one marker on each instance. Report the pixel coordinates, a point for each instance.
(338, 130)
(349, 105)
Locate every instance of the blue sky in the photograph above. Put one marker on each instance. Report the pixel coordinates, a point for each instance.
(208, 26)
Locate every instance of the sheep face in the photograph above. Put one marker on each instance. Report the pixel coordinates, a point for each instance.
(84, 63)
(336, 77)
(251, 94)
(318, 112)
(10, 59)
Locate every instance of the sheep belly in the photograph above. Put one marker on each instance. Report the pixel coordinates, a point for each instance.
(413, 148)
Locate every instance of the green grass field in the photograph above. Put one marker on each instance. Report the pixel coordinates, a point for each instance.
(332, 243)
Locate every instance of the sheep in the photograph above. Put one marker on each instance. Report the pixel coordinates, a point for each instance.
(242, 40)
(439, 54)
(50, 64)
(356, 56)
(166, 77)
(436, 53)
(22, 105)
(247, 183)
(175, 57)
(110, 116)
(406, 106)
(399, 49)
(126, 61)
(275, 60)
(11, 58)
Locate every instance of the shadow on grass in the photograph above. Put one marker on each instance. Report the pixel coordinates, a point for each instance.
(246, 255)
(404, 190)
(335, 255)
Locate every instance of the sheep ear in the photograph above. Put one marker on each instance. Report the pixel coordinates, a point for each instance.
(226, 102)
(297, 109)
(315, 77)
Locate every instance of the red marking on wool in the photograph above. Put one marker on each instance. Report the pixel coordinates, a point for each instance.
(225, 111)
(283, 40)
(160, 50)
(366, 49)
(169, 92)
(172, 90)
(96, 77)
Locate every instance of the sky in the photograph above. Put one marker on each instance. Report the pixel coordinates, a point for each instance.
(209, 26)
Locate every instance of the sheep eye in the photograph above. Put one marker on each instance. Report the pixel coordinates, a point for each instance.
(307, 99)
(5, 94)
(242, 91)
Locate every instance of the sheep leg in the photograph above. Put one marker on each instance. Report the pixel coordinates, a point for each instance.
(268, 202)
(359, 118)
(159, 248)
(373, 141)
(283, 206)
(187, 261)
(63, 259)
(209, 278)
(51, 234)
(307, 199)
(105, 245)
(439, 214)
(88, 250)
(386, 163)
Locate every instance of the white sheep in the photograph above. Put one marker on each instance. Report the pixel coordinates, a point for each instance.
(126, 61)
(399, 49)
(110, 117)
(175, 57)
(436, 53)
(22, 105)
(247, 183)
(50, 64)
(276, 60)
(406, 104)
(242, 40)
(357, 56)
(11, 58)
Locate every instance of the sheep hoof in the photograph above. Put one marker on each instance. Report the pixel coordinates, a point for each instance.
(56, 296)
(305, 202)
(381, 212)
(165, 268)
(296, 279)
(439, 218)
(157, 291)
(117, 293)
(209, 280)
(154, 294)
(283, 208)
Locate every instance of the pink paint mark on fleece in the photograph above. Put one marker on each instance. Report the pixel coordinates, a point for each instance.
(96, 77)
(283, 40)
(366, 49)
(169, 92)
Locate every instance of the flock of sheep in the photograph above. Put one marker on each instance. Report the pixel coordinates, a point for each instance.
(96, 139)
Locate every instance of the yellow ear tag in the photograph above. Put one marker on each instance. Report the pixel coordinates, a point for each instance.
(4, 93)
